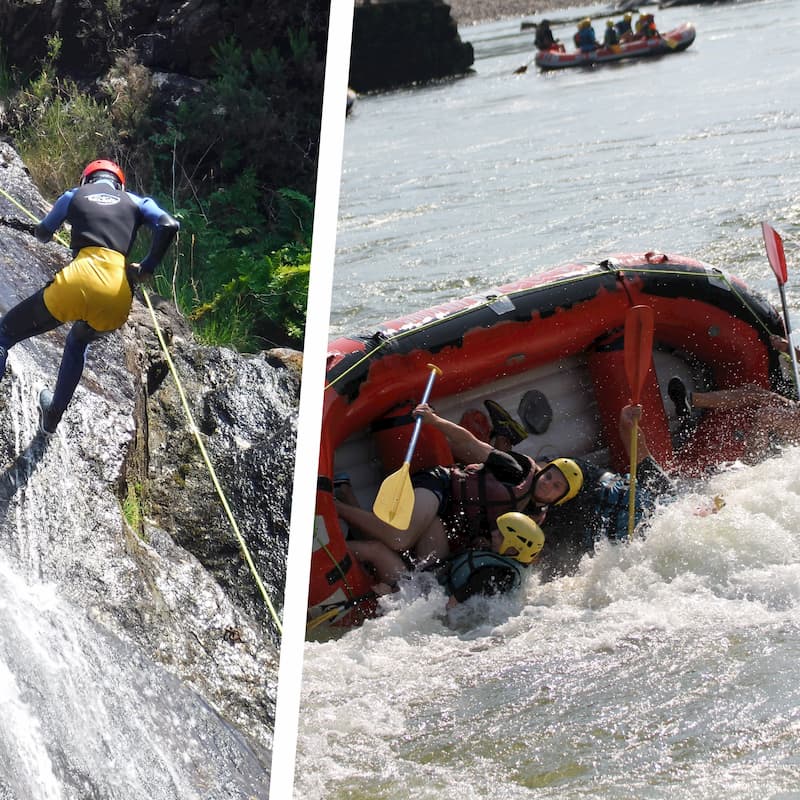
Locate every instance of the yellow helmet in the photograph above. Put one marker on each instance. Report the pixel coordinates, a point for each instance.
(523, 534)
(572, 475)
(584, 23)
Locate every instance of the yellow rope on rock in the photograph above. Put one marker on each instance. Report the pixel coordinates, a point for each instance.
(18, 204)
(196, 433)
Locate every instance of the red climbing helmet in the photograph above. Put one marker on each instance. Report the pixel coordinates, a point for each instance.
(101, 165)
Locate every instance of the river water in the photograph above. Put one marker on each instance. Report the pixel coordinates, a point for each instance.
(666, 668)
(469, 183)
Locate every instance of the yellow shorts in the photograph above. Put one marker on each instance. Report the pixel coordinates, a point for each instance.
(93, 288)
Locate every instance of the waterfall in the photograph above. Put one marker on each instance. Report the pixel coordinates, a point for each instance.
(137, 659)
(85, 715)
(85, 710)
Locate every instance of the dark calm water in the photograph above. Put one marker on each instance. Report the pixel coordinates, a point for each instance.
(666, 669)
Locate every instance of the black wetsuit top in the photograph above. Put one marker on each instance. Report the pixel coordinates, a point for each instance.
(102, 216)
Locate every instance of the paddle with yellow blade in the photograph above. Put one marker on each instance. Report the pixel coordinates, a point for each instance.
(395, 500)
(777, 260)
(638, 352)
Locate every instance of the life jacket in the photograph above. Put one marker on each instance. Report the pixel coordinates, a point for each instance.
(623, 27)
(478, 498)
(611, 38)
(480, 572)
(544, 39)
(648, 27)
(585, 40)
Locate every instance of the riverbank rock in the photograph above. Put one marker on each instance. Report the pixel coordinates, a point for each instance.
(170, 37)
(469, 12)
(118, 510)
(400, 42)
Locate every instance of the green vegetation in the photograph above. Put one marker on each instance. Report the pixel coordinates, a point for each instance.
(218, 161)
(132, 507)
(238, 272)
(57, 127)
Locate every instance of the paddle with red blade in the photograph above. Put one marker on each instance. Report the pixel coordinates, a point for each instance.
(777, 260)
(638, 353)
(395, 500)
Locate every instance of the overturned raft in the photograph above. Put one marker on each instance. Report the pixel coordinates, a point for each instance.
(549, 349)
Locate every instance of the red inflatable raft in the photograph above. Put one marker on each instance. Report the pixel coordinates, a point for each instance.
(671, 42)
(549, 337)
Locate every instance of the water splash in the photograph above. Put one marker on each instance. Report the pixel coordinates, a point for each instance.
(670, 662)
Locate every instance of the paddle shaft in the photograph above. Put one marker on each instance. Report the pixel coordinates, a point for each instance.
(638, 352)
(632, 485)
(777, 260)
(788, 325)
(394, 503)
(418, 422)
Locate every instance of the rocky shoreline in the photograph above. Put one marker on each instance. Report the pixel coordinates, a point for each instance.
(469, 12)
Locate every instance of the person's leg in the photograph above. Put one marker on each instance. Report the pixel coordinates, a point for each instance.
(28, 318)
(69, 374)
(389, 566)
(433, 544)
(426, 508)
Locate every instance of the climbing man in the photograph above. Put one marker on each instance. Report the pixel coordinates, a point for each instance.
(94, 291)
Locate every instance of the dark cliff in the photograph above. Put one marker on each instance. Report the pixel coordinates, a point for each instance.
(179, 45)
(400, 42)
(169, 36)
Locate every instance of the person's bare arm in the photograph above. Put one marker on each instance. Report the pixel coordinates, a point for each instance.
(748, 396)
(467, 449)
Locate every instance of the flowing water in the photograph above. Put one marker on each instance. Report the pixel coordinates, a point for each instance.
(84, 716)
(84, 713)
(666, 668)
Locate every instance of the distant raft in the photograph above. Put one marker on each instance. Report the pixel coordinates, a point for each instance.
(673, 41)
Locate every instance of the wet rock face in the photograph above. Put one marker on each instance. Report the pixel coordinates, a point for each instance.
(168, 579)
(246, 411)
